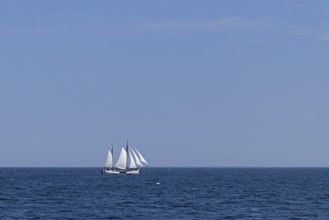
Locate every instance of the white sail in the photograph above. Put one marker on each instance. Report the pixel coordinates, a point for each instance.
(141, 158)
(122, 161)
(109, 159)
(131, 161)
(138, 162)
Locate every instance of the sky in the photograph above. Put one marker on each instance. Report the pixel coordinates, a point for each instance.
(189, 83)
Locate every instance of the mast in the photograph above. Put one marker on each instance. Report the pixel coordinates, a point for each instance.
(127, 155)
(112, 148)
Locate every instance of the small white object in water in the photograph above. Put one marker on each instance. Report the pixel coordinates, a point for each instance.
(158, 183)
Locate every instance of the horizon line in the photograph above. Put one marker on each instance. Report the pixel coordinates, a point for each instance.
(155, 167)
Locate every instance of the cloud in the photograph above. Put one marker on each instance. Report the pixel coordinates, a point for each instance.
(77, 23)
(232, 23)
(323, 37)
(315, 32)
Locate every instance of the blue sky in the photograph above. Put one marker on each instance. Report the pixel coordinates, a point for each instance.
(190, 83)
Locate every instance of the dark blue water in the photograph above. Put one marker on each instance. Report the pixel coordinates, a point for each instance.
(191, 193)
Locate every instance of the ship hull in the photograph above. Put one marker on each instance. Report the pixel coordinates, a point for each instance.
(111, 171)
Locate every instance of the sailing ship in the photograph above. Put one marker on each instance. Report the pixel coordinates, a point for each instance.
(129, 162)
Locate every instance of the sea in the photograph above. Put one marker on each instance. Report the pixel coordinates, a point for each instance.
(165, 193)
